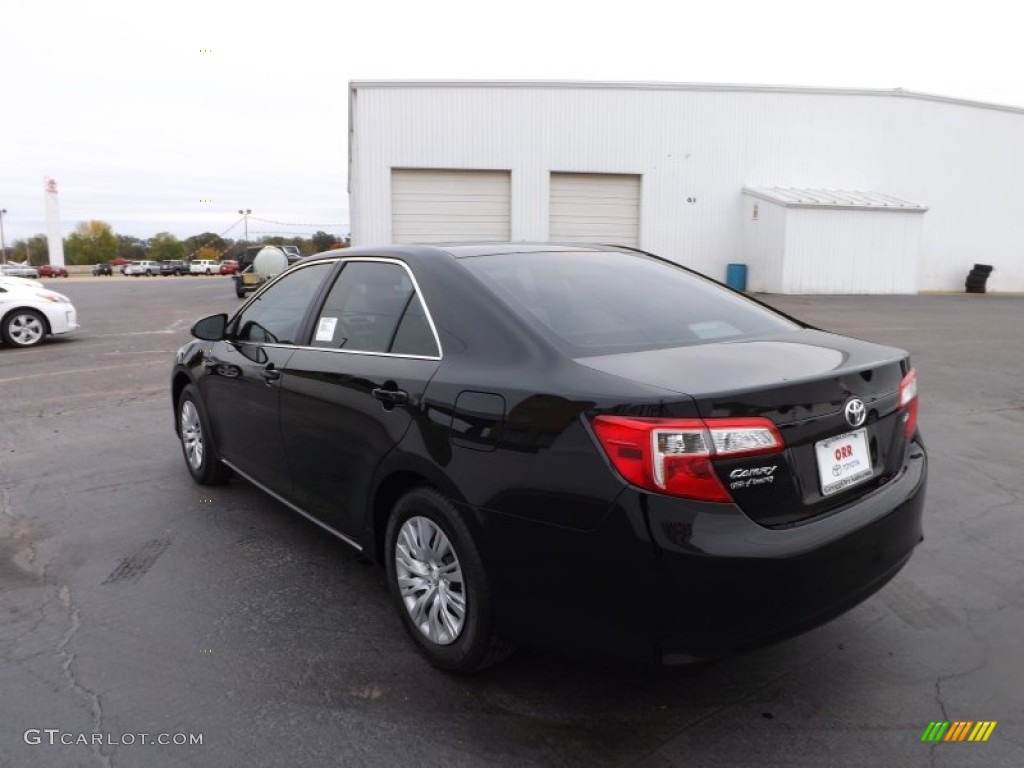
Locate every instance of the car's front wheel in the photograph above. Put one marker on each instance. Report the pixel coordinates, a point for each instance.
(439, 584)
(23, 328)
(201, 455)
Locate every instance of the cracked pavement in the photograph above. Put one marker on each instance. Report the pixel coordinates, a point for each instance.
(131, 601)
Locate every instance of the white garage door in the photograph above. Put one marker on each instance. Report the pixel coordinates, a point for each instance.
(435, 206)
(595, 208)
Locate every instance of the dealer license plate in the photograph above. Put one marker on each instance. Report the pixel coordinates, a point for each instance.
(843, 461)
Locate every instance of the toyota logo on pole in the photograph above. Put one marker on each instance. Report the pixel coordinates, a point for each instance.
(856, 413)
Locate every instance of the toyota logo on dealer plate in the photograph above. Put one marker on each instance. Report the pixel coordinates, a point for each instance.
(856, 413)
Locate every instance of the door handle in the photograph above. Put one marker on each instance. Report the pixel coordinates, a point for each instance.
(391, 397)
(270, 373)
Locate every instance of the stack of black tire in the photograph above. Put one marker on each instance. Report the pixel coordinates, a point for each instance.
(977, 278)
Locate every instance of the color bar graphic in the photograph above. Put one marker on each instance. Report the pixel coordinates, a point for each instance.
(982, 730)
(959, 730)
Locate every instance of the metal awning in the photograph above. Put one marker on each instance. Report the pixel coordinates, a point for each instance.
(857, 199)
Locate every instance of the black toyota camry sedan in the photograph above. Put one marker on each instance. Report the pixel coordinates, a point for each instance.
(588, 448)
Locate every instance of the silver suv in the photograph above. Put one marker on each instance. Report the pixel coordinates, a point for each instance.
(147, 268)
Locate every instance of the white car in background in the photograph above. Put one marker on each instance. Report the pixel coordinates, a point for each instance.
(11, 269)
(30, 312)
(204, 267)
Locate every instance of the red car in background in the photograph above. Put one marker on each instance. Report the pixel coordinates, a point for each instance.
(49, 270)
(228, 267)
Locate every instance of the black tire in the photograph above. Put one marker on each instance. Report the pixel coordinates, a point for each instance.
(475, 645)
(207, 468)
(24, 328)
(973, 282)
(983, 269)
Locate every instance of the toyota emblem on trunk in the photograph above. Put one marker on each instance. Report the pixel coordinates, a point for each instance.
(856, 413)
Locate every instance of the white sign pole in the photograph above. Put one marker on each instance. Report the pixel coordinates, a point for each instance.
(53, 235)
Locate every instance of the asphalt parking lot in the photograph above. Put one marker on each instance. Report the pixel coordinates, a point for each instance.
(135, 602)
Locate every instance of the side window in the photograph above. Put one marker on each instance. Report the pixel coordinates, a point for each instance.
(275, 317)
(414, 336)
(373, 307)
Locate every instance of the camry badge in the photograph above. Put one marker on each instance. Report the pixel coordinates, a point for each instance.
(856, 413)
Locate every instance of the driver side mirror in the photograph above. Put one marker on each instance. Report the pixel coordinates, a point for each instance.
(211, 328)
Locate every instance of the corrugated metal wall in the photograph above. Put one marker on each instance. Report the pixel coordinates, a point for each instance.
(850, 251)
(695, 149)
(764, 245)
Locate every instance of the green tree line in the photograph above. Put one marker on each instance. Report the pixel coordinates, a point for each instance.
(94, 242)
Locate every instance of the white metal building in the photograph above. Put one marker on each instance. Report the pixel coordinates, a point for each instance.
(816, 190)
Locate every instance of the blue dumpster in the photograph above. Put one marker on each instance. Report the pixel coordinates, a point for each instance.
(736, 276)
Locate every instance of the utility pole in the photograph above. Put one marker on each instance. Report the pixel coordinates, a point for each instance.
(245, 215)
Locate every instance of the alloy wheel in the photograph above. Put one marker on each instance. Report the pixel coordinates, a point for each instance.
(430, 580)
(192, 434)
(25, 329)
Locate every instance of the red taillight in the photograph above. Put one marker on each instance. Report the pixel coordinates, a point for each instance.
(675, 456)
(908, 402)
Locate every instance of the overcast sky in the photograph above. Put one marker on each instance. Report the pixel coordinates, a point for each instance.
(123, 106)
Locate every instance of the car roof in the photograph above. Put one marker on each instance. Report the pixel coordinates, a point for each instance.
(433, 251)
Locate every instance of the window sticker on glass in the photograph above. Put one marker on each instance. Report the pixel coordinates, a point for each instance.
(325, 331)
(713, 329)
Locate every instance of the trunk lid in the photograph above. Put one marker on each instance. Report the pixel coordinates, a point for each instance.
(802, 381)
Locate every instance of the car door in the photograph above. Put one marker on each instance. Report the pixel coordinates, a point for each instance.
(242, 375)
(349, 397)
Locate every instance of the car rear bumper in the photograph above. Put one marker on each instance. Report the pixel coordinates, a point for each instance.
(670, 581)
(727, 583)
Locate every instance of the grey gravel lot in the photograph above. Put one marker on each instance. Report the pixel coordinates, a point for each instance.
(135, 602)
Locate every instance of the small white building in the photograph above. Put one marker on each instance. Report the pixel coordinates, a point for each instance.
(831, 241)
(814, 190)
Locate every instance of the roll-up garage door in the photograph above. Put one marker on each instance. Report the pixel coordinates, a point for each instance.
(596, 208)
(436, 206)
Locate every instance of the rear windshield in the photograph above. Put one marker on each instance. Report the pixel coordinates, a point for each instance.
(601, 302)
